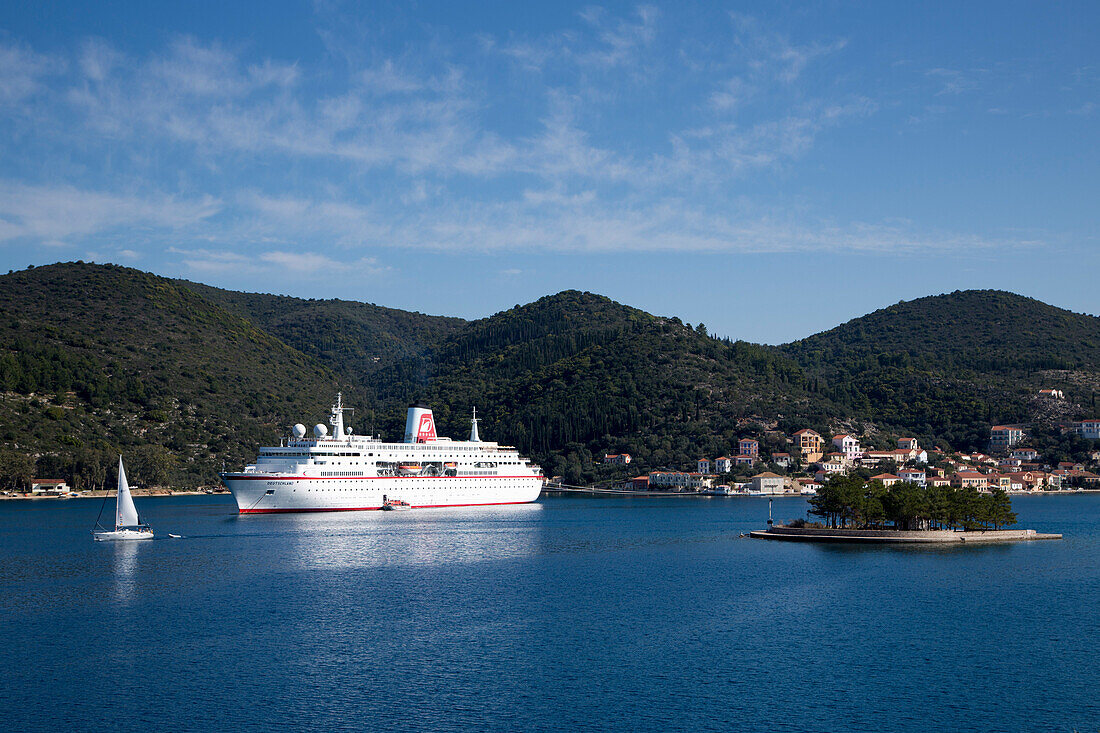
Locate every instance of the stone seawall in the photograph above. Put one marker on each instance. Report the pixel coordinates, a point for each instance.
(810, 534)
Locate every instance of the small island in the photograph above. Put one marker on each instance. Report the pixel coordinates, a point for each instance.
(854, 511)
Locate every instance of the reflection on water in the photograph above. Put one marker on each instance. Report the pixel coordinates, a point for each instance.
(418, 537)
(124, 564)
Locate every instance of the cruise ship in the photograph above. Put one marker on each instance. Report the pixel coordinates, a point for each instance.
(346, 472)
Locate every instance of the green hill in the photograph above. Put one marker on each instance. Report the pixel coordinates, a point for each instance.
(976, 330)
(97, 358)
(946, 366)
(353, 339)
(575, 373)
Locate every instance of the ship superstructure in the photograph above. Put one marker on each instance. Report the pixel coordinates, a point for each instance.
(348, 472)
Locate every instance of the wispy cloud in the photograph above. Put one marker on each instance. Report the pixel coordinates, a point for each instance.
(603, 42)
(22, 71)
(56, 214)
(768, 54)
(288, 264)
(955, 81)
(278, 164)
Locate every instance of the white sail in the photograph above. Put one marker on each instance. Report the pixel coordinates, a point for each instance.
(125, 512)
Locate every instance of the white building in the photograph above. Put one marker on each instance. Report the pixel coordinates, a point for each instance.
(722, 464)
(679, 481)
(703, 465)
(912, 475)
(49, 486)
(768, 483)
(1088, 429)
(849, 446)
(1003, 437)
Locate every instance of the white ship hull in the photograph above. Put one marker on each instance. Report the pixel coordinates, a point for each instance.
(278, 494)
(346, 472)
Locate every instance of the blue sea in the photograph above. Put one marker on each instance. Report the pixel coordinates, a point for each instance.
(571, 614)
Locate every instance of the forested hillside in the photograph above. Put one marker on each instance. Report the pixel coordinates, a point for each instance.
(575, 373)
(947, 366)
(353, 339)
(95, 359)
(100, 359)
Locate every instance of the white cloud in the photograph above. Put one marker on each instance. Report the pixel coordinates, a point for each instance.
(404, 152)
(283, 263)
(607, 42)
(193, 69)
(98, 59)
(954, 82)
(213, 261)
(61, 213)
(767, 54)
(21, 71)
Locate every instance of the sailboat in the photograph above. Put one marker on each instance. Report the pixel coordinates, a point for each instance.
(128, 525)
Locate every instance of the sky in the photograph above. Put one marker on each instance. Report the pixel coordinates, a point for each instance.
(769, 169)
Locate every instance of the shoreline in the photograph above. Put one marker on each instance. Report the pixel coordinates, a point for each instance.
(631, 492)
(893, 536)
(100, 493)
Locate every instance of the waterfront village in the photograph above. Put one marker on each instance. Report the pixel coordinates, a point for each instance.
(811, 459)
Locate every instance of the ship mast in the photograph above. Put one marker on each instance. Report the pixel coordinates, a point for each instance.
(473, 429)
(337, 419)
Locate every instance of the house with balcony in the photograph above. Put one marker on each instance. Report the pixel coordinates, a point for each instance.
(748, 447)
(809, 444)
(1024, 454)
(1029, 480)
(1088, 429)
(782, 460)
(913, 475)
(875, 457)
(703, 465)
(970, 480)
(722, 464)
(849, 446)
(1003, 437)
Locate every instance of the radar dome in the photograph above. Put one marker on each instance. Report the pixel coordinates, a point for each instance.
(320, 430)
(299, 431)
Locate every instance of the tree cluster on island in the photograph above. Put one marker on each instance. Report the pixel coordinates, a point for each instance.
(849, 502)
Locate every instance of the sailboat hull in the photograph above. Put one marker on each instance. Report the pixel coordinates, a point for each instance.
(122, 535)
